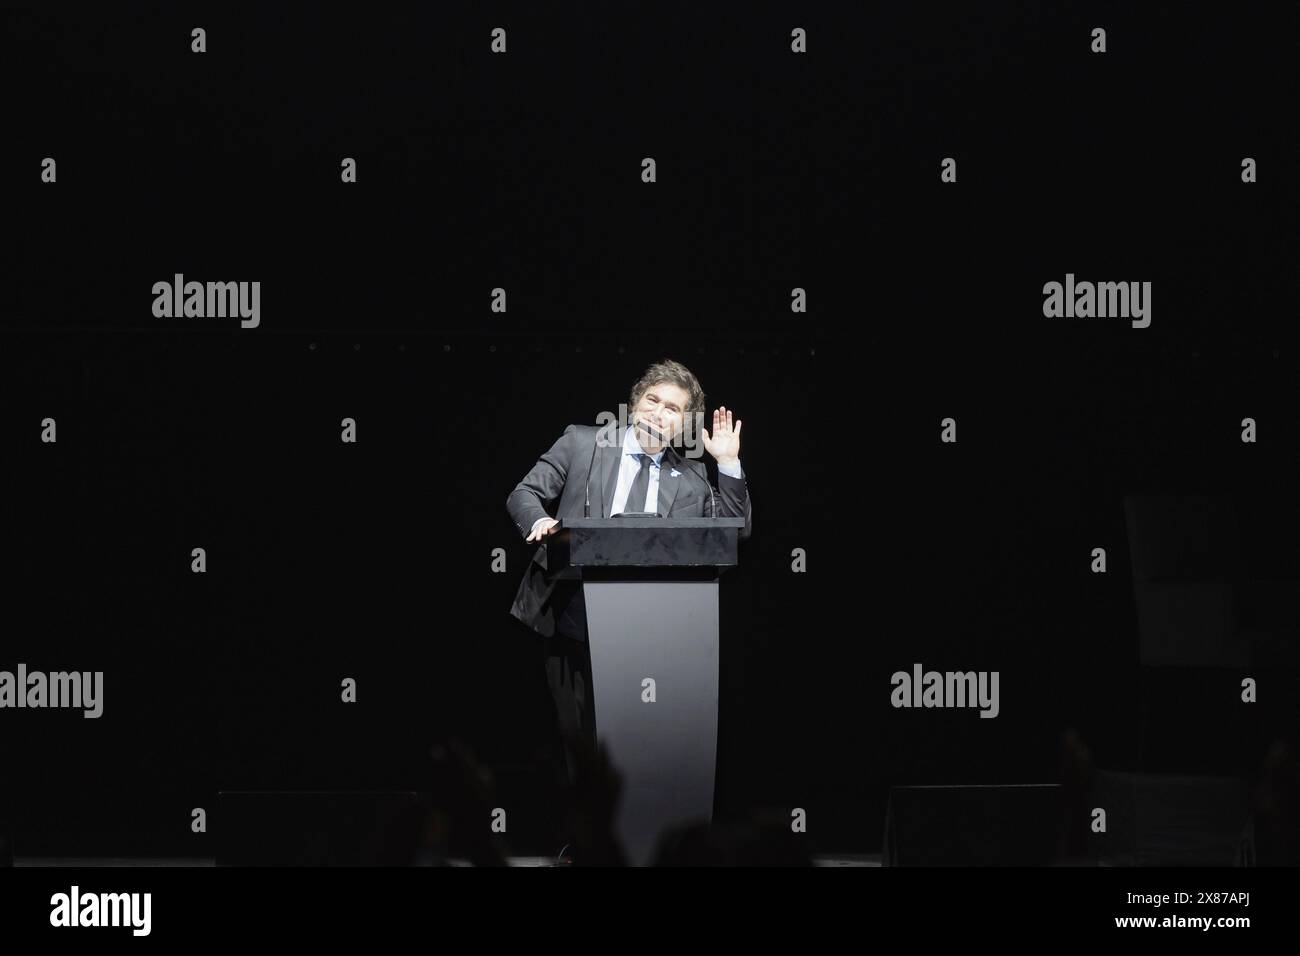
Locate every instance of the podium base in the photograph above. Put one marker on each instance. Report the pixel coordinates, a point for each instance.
(654, 668)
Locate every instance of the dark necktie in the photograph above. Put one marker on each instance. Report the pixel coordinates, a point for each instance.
(640, 486)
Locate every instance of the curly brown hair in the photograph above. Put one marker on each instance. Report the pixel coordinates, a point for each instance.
(675, 373)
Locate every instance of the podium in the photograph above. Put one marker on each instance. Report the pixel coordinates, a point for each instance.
(651, 590)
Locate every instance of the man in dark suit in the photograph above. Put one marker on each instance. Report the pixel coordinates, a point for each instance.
(624, 466)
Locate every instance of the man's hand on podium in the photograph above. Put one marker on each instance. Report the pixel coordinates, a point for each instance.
(543, 527)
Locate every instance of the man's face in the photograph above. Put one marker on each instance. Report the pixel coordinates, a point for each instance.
(663, 406)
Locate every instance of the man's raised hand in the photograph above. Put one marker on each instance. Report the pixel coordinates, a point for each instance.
(724, 444)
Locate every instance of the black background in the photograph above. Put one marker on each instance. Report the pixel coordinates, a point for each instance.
(775, 170)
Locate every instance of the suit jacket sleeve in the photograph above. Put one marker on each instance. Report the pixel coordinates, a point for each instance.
(732, 498)
(541, 487)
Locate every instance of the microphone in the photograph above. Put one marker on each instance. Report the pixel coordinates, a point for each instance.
(713, 507)
(586, 505)
(653, 432)
(663, 439)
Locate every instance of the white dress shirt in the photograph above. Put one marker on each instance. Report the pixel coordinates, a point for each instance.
(629, 466)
